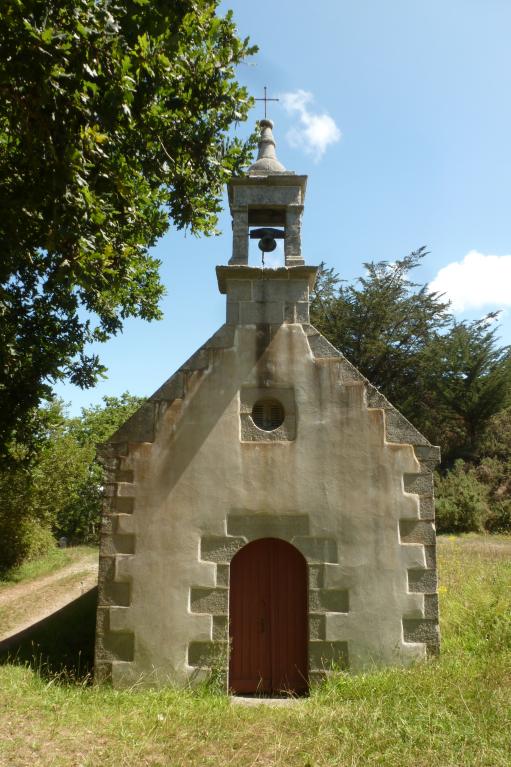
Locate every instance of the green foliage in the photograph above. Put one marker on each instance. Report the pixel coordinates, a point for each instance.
(461, 500)
(59, 491)
(448, 378)
(114, 122)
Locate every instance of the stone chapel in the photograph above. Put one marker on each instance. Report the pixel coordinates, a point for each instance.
(268, 514)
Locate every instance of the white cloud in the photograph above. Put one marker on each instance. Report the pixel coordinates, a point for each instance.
(316, 131)
(479, 280)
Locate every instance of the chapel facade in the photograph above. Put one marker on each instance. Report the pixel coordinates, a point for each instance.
(268, 514)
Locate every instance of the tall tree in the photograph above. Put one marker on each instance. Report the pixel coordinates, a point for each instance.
(447, 377)
(114, 119)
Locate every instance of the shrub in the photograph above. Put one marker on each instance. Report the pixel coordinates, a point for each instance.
(462, 501)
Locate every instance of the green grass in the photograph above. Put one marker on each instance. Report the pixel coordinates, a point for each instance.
(451, 712)
(54, 560)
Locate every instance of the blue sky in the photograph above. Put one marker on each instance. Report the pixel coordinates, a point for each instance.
(400, 114)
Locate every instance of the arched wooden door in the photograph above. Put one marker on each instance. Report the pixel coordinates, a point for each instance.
(268, 619)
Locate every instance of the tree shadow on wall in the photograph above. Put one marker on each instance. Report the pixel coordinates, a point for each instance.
(61, 644)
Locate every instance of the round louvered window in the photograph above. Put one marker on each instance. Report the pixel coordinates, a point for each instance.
(268, 414)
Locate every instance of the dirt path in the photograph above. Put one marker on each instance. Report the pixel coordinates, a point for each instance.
(24, 604)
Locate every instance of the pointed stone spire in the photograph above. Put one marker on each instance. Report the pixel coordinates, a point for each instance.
(266, 158)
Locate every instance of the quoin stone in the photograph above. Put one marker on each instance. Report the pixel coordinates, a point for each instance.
(269, 434)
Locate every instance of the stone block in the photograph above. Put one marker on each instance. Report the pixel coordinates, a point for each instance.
(325, 655)
(316, 576)
(173, 388)
(239, 290)
(416, 531)
(123, 524)
(102, 672)
(421, 484)
(124, 475)
(206, 600)
(428, 455)
(399, 430)
(233, 312)
(430, 554)
(254, 526)
(207, 654)
(375, 398)
(427, 507)
(123, 505)
(329, 601)
(198, 361)
(302, 311)
(114, 593)
(257, 312)
(316, 549)
(280, 290)
(220, 549)
(420, 630)
(222, 339)
(317, 626)
(119, 646)
(138, 428)
(222, 575)
(321, 348)
(290, 313)
(431, 606)
(422, 581)
(220, 628)
(286, 432)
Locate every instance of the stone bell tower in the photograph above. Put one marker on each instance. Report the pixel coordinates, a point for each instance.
(268, 514)
(268, 196)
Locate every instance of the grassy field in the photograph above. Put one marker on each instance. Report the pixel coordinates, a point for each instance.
(451, 712)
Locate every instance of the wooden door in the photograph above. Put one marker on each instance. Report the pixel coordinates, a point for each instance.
(268, 619)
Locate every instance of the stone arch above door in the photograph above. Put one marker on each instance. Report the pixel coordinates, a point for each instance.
(321, 555)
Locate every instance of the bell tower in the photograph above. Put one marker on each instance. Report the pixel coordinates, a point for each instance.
(267, 204)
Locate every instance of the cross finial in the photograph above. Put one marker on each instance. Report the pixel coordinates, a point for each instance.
(266, 99)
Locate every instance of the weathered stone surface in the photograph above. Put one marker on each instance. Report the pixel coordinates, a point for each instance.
(316, 576)
(422, 484)
(321, 348)
(198, 361)
(138, 428)
(119, 646)
(418, 630)
(123, 505)
(317, 626)
(173, 388)
(251, 433)
(398, 429)
(205, 600)
(256, 312)
(220, 549)
(431, 606)
(233, 312)
(222, 575)
(325, 655)
(222, 339)
(220, 628)
(328, 600)
(316, 549)
(427, 507)
(253, 526)
(416, 531)
(207, 654)
(424, 581)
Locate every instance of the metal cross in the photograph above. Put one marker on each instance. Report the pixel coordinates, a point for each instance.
(265, 99)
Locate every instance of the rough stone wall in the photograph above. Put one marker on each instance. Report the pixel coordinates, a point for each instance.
(348, 482)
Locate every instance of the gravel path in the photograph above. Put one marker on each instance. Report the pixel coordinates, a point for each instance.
(24, 604)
